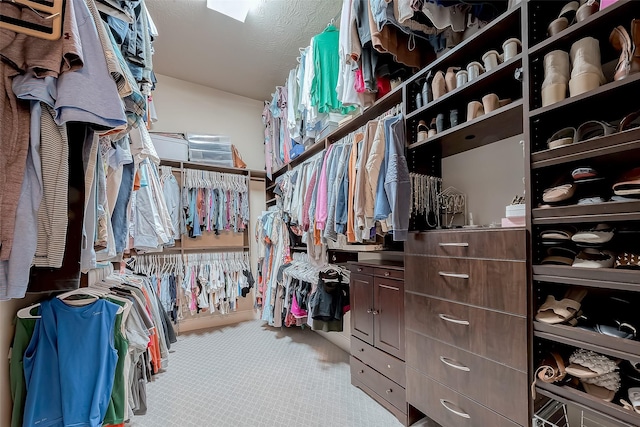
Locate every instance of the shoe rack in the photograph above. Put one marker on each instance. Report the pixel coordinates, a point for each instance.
(610, 155)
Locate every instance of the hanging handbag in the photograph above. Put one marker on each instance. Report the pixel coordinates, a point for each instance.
(237, 158)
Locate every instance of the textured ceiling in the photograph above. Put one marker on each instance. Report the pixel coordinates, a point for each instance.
(205, 47)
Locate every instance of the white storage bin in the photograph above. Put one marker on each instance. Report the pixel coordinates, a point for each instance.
(217, 158)
(171, 146)
(514, 211)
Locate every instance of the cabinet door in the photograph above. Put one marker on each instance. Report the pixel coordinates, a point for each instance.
(361, 291)
(388, 302)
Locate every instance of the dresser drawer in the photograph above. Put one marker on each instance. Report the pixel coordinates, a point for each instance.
(494, 385)
(449, 408)
(381, 385)
(497, 336)
(382, 362)
(489, 244)
(361, 269)
(499, 285)
(389, 273)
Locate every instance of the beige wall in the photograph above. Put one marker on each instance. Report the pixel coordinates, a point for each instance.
(187, 107)
(490, 176)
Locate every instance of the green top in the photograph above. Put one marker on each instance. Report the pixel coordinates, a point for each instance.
(326, 63)
(21, 339)
(116, 409)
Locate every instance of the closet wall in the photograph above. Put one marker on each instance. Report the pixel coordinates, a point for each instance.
(189, 107)
(487, 175)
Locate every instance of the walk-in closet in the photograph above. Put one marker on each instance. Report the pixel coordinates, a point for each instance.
(336, 213)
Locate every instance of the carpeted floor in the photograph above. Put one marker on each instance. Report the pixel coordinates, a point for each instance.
(252, 375)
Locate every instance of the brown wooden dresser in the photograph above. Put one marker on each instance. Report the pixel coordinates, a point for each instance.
(466, 326)
(377, 333)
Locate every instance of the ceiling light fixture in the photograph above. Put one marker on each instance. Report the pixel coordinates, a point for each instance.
(236, 9)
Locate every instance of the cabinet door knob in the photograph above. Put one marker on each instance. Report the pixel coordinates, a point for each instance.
(362, 371)
(454, 364)
(362, 350)
(375, 312)
(448, 407)
(387, 274)
(389, 366)
(453, 320)
(359, 269)
(389, 391)
(369, 311)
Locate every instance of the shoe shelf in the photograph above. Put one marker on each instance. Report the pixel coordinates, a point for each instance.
(478, 87)
(486, 129)
(600, 212)
(607, 410)
(598, 25)
(615, 347)
(604, 278)
(612, 147)
(489, 37)
(614, 91)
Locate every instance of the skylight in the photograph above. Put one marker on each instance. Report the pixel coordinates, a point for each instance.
(236, 9)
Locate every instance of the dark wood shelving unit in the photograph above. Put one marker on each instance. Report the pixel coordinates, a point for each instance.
(486, 129)
(607, 19)
(614, 347)
(608, 211)
(605, 278)
(271, 201)
(610, 411)
(481, 84)
(606, 148)
(490, 35)
(607, 90)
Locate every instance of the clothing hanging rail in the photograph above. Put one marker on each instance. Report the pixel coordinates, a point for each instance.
(42, 13)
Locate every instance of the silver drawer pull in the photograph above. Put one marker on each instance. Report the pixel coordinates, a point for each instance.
(369, 311)
(454, 364)
(359, 269)
(389, 391)
(452, 320)
(362, 371)
(456, 275)
(459, 412)
(455, 245)
(387, 274)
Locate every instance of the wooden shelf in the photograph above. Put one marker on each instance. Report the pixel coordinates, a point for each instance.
(584, 401)
(608, 211)
(606, 19)
(482, 84)
(490, 37)
(604, 147)
(217, 249)
(271, 187)
(489, 128)
(311, 151)
(579, 338)
(607, 90)
(273, 200)
(605, 278)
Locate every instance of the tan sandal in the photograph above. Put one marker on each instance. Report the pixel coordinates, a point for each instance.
(553, 312)
(551, 370)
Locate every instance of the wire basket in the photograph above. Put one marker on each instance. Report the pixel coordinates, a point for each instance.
(552, 414)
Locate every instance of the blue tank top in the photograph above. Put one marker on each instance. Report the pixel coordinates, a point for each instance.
(70, 365)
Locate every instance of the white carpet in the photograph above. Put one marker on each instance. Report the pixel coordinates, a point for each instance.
(252, 375)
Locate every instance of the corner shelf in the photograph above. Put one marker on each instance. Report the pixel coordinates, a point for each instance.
(608, 211)
(604, 147)
(608, 89)
(605, 278)
(485, 80)
(273, 200)
(606, 18)
(611, 411)
(579, 338)
(486, 129)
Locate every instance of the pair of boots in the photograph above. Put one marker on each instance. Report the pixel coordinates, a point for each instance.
(629, 48)
(586, 71)
(436, 126)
